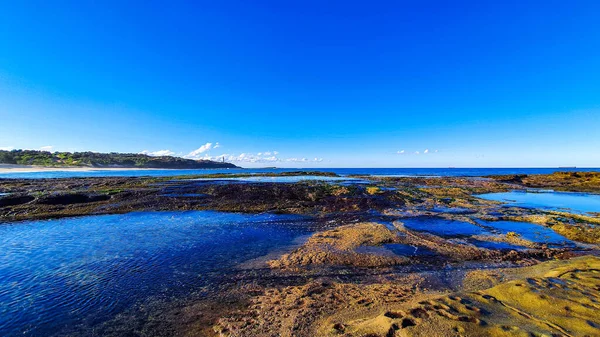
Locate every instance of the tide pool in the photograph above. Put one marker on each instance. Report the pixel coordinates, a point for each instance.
(558, 201)
(57, 273)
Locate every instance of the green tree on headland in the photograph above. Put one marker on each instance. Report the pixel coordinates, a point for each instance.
(113, 159)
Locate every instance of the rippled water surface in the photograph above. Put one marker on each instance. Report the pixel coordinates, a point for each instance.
(54, 273)
(561, 201)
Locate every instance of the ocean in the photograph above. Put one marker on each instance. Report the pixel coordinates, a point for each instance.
(408, 172)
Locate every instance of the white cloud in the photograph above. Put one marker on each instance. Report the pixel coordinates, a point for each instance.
(426, 151)
(301, 160)
(196, 154)
(260, 157)
(46, 148)
(6, 148)
(158, 153)
(217, 145)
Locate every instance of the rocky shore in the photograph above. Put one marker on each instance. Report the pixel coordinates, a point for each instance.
(365, 271)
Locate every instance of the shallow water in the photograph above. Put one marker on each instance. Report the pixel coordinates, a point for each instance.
(529, 231)
(279, 179)
(453, 228)
(559, 201)
(453, 210)
(443, 227)
(496, 245)
(392, 249)
(400, 172)
(185, 195)
(56, 273)
(408, 250)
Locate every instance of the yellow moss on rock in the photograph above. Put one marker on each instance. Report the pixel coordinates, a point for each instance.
(373, 190)
(560, 298)
(582, 233)
(572, 226)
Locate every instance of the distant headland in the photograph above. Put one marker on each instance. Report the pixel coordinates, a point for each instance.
(104, 160)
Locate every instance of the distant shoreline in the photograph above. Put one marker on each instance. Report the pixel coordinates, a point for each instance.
(12, 168)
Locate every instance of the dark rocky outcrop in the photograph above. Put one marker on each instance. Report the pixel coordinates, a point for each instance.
(15, 200)
(72, 198)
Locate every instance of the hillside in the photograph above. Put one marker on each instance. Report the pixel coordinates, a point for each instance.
(92, 159)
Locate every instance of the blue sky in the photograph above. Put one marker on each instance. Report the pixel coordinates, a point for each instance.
(322, 83)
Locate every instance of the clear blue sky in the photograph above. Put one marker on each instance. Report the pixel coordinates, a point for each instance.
(485, 83)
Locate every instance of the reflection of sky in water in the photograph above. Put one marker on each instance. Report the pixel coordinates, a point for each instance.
(281, 179)
(442, 227)
(453, 228)
(560, 201)
(529, 231)
(392, 249)
(408, 250)
(55, 273)
(495, 245)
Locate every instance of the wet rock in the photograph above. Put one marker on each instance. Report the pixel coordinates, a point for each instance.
(72, 198)
(339, 247)
(563, 181)
(13, 200)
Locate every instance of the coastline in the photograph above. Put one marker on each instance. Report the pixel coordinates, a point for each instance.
(11, 168)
